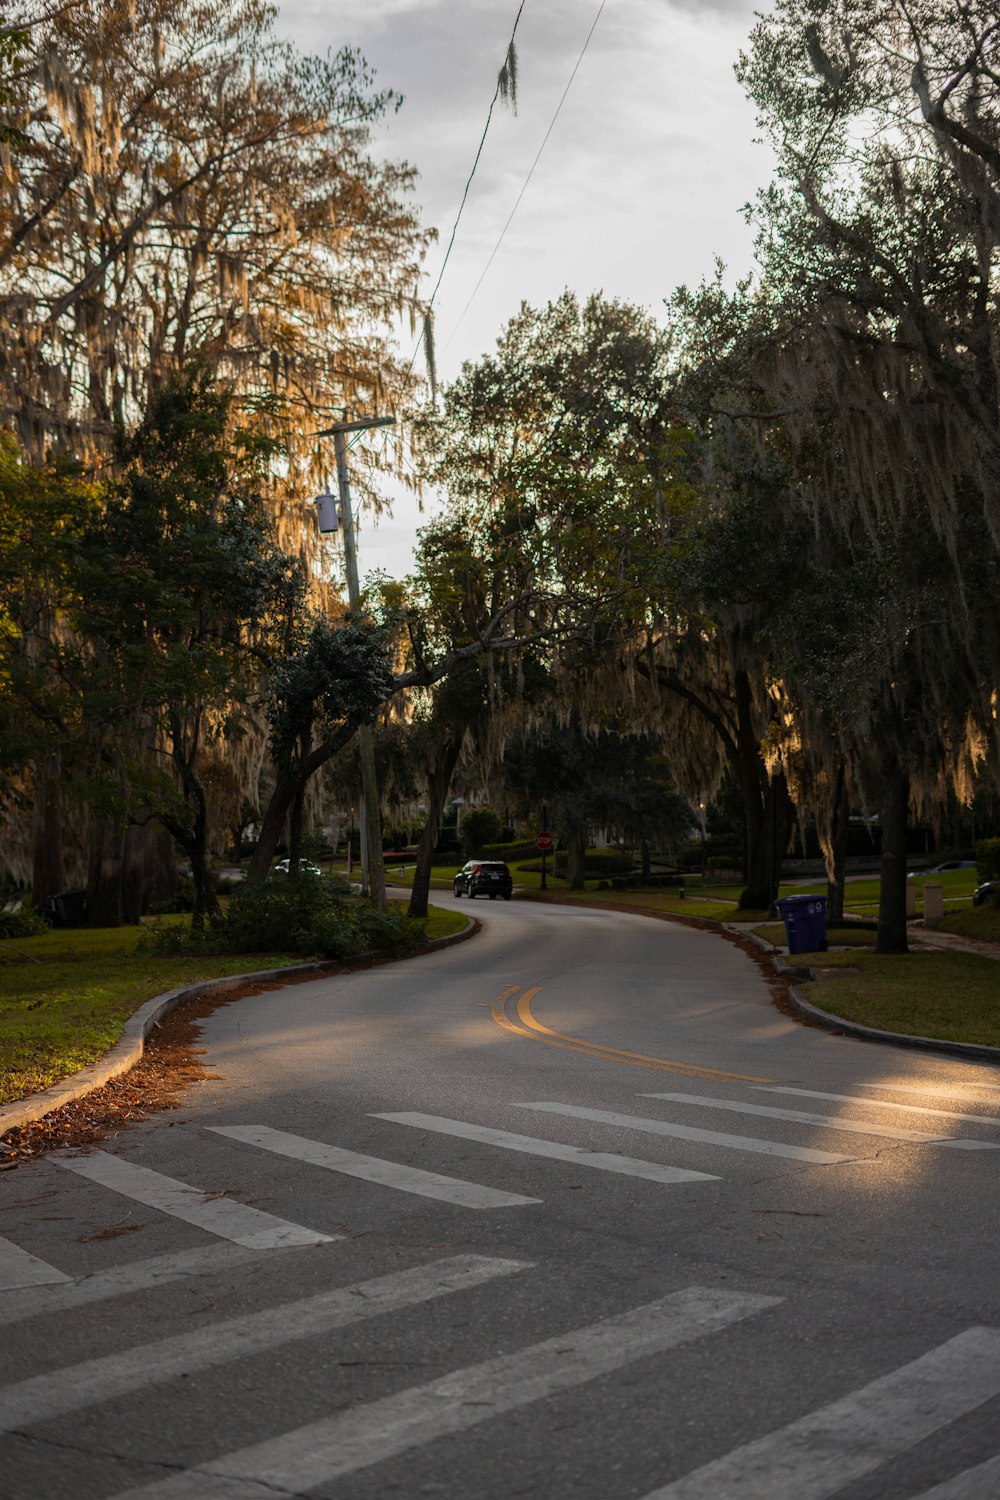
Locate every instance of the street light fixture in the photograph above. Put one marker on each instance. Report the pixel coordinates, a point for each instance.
(333, 516)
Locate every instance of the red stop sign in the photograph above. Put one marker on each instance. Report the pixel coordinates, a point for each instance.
(543, 841)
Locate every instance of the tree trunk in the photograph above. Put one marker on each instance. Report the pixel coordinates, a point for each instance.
(48, 871)
(647, 866)
(104, 871)
(138, 866)
(289, 779)
(272, 825)
(206, 902)
(295, 829)
(772, 823)
(438, 785)
(838, 848)
(891, 936)
(759, 810)
(576, 850)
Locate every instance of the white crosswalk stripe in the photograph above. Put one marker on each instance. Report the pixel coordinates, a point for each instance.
(816, 1456)
(964, 1093)
(18, 1268)
(604, 1161)
(980, 1483)
(218, 1215)
(323, 1451)
(909, 1109)
(119, 1281)
(690, 1133)
(827, 1122)
(389, 1174)
(42, 1397)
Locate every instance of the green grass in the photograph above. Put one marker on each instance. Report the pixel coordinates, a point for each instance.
(444, 922)
(65, 996)
(951, 996)
(669, 901)
(974, 922)
(837, 937)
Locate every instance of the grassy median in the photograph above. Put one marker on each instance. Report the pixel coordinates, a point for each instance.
(65, 996)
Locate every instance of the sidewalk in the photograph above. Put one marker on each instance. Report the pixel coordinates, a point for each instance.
(930, 937)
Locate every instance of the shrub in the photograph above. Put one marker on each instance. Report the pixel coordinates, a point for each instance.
(480, 826)
(314, 917)
(180, 899)
(18, 919)
(610, 863)
(988, 859)
(524, 849)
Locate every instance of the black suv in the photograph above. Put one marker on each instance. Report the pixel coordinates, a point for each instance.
(484, 877)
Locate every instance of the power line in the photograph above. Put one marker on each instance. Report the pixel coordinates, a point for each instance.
(468, 185)
(461, 208)
(531, 170)
(475, 164)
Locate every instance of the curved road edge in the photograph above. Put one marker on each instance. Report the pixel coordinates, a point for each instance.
(843, 1027)
(129, 1048)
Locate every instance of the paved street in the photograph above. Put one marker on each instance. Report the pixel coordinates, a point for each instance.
(567, 1210)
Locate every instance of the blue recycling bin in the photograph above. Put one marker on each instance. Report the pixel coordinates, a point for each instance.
(805, 923)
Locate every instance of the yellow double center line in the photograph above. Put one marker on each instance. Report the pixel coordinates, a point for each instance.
(512, 1011)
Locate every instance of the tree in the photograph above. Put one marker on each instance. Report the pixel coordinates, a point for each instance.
(180, 586)
(480, 826)
(196, 190)
(43, 515)
(318, 696)
(878, 246)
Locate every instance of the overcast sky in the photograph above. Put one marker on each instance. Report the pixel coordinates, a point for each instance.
(638, 188)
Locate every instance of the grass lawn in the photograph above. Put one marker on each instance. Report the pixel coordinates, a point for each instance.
(65, 996)
(669, 901)
(444, 921)
(952, 996)
(974, 922)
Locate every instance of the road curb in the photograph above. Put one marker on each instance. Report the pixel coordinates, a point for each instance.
(842, 1027)
(129, 1048)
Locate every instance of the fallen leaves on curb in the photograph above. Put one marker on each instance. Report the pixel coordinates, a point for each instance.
(170, 1063)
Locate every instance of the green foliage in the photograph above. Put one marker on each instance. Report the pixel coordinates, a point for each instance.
(341, 673)
(988, 859)
(65, 995)
(180, 899)
(480, 826)
(312, 917)
(19, 919)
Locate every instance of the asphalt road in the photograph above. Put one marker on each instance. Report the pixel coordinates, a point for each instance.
(567, 1210)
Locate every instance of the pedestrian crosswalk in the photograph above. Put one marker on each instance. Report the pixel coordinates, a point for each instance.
(815, 1456)
(220, 1213)
(827, 1122)
(836, 1437)
(345, 1442)
(604, 1161)
(42, 1397)
(689, 1133)
(390, 1174)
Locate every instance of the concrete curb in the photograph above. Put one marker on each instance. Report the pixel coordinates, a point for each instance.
(830, 1022)
(128, 1050)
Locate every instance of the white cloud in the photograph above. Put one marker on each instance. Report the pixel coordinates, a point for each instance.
(639, 185)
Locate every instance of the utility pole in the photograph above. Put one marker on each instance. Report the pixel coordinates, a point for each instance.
(372, 866)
